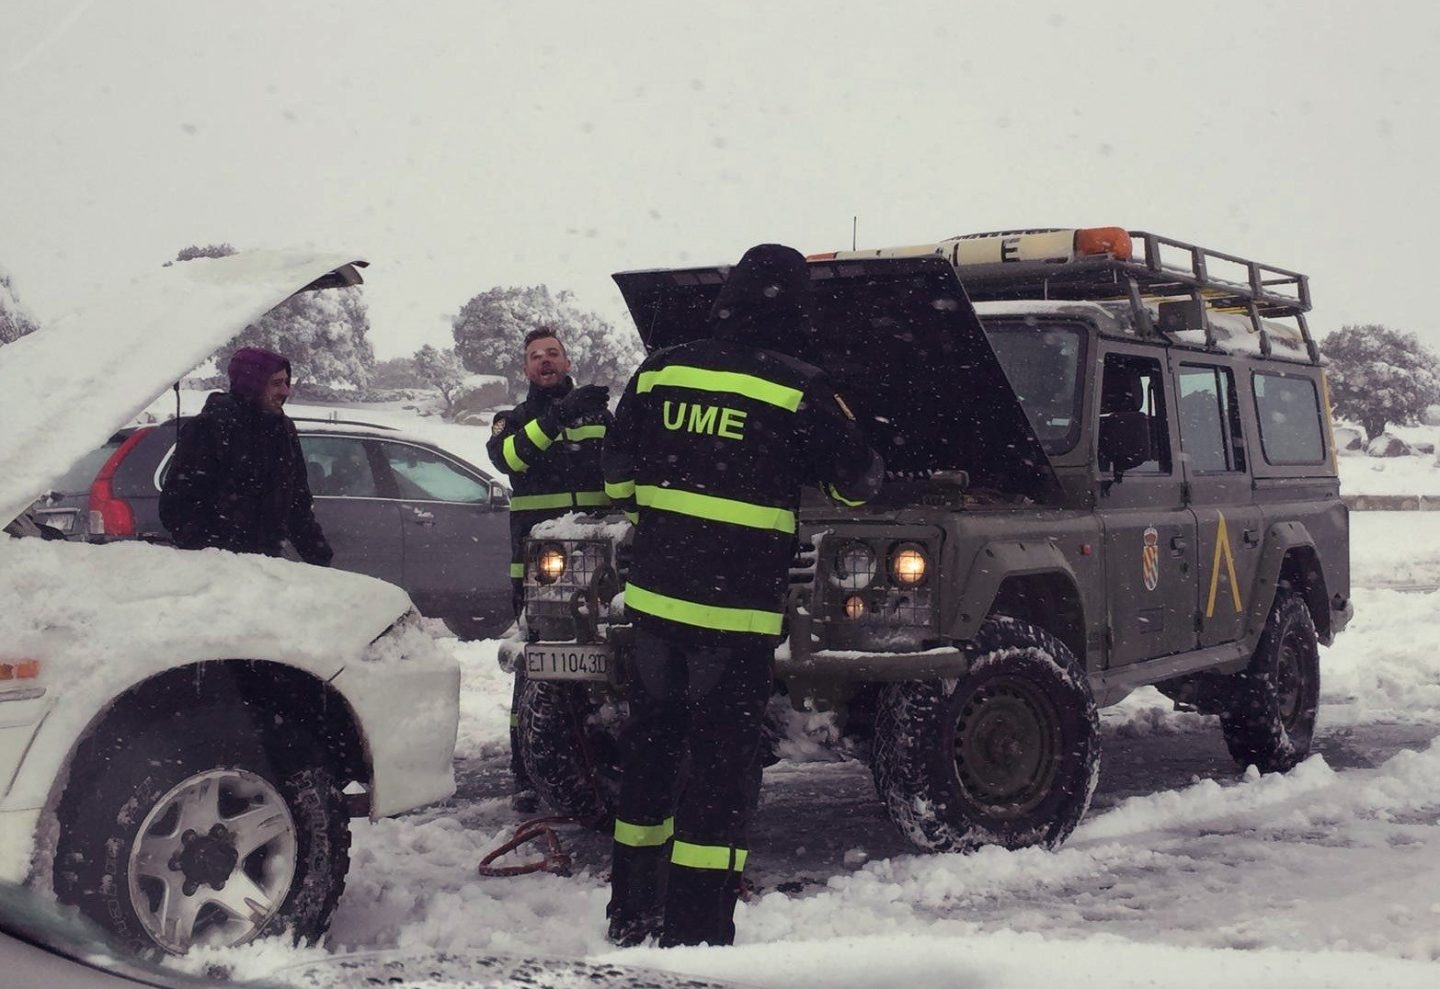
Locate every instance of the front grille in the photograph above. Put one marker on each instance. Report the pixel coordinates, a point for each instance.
(804, 562)
(883, 603)
(569, 607)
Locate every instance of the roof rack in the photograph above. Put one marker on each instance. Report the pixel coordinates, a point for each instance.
(1184, 281)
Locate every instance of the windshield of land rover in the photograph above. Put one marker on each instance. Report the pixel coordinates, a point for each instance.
(1042, 362)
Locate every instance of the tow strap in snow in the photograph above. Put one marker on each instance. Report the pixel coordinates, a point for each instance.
(554, 860)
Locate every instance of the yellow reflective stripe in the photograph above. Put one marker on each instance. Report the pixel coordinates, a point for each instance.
(517, 571)
(700, 379)
(620, 489)
(702, 615)
(538, 436)
(577, 433)
(644, 835)
(511, 457)
(707, 856)
(634, 517)
(835, 493)
(533, 503)
(702, 506)
(559, 499)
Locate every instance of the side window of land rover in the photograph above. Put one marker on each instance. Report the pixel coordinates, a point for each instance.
(1288, 410)
(1209, 424)
(1133, 387)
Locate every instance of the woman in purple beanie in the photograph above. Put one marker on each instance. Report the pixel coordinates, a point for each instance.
(237, 481)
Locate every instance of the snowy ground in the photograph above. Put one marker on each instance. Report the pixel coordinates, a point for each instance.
(1187, 871)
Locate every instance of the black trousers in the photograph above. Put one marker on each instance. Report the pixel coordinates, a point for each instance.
(691, 779)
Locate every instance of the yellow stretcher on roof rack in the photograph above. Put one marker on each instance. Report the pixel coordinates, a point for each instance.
(1172, 286)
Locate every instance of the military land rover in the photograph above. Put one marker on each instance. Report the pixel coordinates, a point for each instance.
(1109, 465)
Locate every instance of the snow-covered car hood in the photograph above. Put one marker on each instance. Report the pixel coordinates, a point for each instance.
(66, 387)
(131, 605)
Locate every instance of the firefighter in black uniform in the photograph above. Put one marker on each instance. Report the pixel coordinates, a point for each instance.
(711, 446)
(549, 446)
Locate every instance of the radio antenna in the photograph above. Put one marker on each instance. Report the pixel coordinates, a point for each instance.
(854, 225)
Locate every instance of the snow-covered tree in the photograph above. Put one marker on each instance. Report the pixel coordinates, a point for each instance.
(323, 334)
(396, 372)
(1379, 375)
(15, 320)
(440, 369)
(490, 331)
(207, 251)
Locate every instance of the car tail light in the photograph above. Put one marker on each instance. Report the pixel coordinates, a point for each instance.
(109, 515)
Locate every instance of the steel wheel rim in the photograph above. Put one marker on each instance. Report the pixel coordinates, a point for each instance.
(1289, 683)
(222, 826)
(1006, 749)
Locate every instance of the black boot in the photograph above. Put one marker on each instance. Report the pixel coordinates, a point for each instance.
(700, 906)
(637, 893)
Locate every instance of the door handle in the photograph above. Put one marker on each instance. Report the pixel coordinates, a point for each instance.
(1177, 545)
(1251, 537)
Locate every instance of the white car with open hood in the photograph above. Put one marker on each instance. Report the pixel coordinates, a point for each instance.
(185, 735)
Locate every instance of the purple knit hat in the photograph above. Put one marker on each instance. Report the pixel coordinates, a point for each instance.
(250, 368)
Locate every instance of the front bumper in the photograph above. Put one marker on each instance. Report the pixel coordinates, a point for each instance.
(796, 657)
(408, 716)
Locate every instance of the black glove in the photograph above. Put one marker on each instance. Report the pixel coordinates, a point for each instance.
(584, 401)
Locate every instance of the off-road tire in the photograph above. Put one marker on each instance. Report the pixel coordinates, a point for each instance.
(1269, 716)
(118, 779)
(1007, 755)
(563, 736)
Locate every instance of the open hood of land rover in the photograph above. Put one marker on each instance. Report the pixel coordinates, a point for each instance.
(66, 387)
(902, 344)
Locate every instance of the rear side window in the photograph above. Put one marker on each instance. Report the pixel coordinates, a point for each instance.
(425, 476)
(1288, 409)
(338, 467)
(1209, 425)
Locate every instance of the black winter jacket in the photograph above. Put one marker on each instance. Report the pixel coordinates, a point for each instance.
(553, 468)
(238, 482)
(711, 446)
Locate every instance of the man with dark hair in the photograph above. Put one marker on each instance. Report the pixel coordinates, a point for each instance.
(237, 480)
(549, 447)
(711, 446)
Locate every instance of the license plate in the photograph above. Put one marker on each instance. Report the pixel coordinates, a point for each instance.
(567, 662)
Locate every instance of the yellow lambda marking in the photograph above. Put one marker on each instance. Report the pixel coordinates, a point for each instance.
(1222, 546)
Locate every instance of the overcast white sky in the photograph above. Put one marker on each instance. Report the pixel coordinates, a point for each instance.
(463, 145)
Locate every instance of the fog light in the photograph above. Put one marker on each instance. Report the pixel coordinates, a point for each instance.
(854, 606)
(549, 564)
(908, 565)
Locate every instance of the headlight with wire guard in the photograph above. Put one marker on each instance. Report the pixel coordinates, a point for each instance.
(549, 563)
(854, 567)
(908, 565)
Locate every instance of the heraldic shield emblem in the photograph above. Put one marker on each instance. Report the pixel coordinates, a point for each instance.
(1150, 559)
